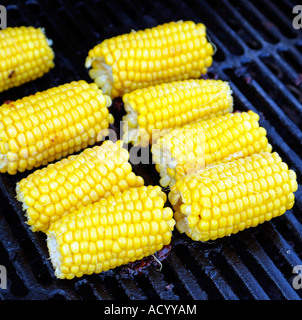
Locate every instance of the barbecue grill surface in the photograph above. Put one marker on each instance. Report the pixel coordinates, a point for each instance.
(259, 52)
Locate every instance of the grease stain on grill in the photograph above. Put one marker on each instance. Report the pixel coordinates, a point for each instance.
(142, 266)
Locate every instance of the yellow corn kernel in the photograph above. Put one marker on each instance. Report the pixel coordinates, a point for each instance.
(74, 182)
(25, 55)
(35, 140)
(247, 207)
(70, 250)
(207, 142)
(174, 104)
(169, 52)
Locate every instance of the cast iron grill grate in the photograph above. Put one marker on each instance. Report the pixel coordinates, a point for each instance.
(259, 53)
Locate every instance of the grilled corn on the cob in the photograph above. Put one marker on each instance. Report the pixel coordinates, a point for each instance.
(210, 141)
(169, 52)
(49, 125)
(153, 110)
(226, 198)
(25, 55)
(122, 228)
(77, 181)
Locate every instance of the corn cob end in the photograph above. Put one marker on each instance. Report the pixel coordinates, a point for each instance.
(101, 73)
(122, 228)
(207, 142)
(79, 180)
(169, 52)
(25, 54)
(227, 198)
(154, 110)
(52, 124)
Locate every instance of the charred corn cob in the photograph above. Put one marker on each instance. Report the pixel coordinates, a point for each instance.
(122, 228)
(49, 193)
(25, 55)
(49, 125)
(217, 139)
(224, 199)
(152, 110)
(169, 52)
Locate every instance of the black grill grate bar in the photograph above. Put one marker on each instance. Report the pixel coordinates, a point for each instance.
(213, 273)
(283, 90)
(288, 154)
(187, 279)
(281, 244)
(234, 45)
(291, 71)
(98, 281)
(272, 32)
(272, 108)
(132, 290)
(243, 272)
(31, 243)
(97, 21)
(61, 33)
(160, 285)
(284, 72)
(279, 18)
(278, 112)
(248, 27)
(256, 251)
(294, 225)
(78, 25)
(11, 257)
(86, 290)
(20, 274)
(121, 15)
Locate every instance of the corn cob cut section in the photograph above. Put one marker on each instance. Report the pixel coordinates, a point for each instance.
(49, 193)
(52, 124)
(194, 146)
(224, 199)
(123, 228)
(153, 110)
(25, 55)
(169, 52)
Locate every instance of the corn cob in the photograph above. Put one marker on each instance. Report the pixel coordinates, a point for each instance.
(49, 125)
(224, 199)
(122, 228)
(206, 142)
(25, 55)
(49, 193)
(152, 110)
(169, 52)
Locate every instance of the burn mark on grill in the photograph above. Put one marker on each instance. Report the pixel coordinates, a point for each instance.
(142, 266)
(10, 104)
(11, 74)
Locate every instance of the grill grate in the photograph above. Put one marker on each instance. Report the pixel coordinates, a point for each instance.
(259, 53)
